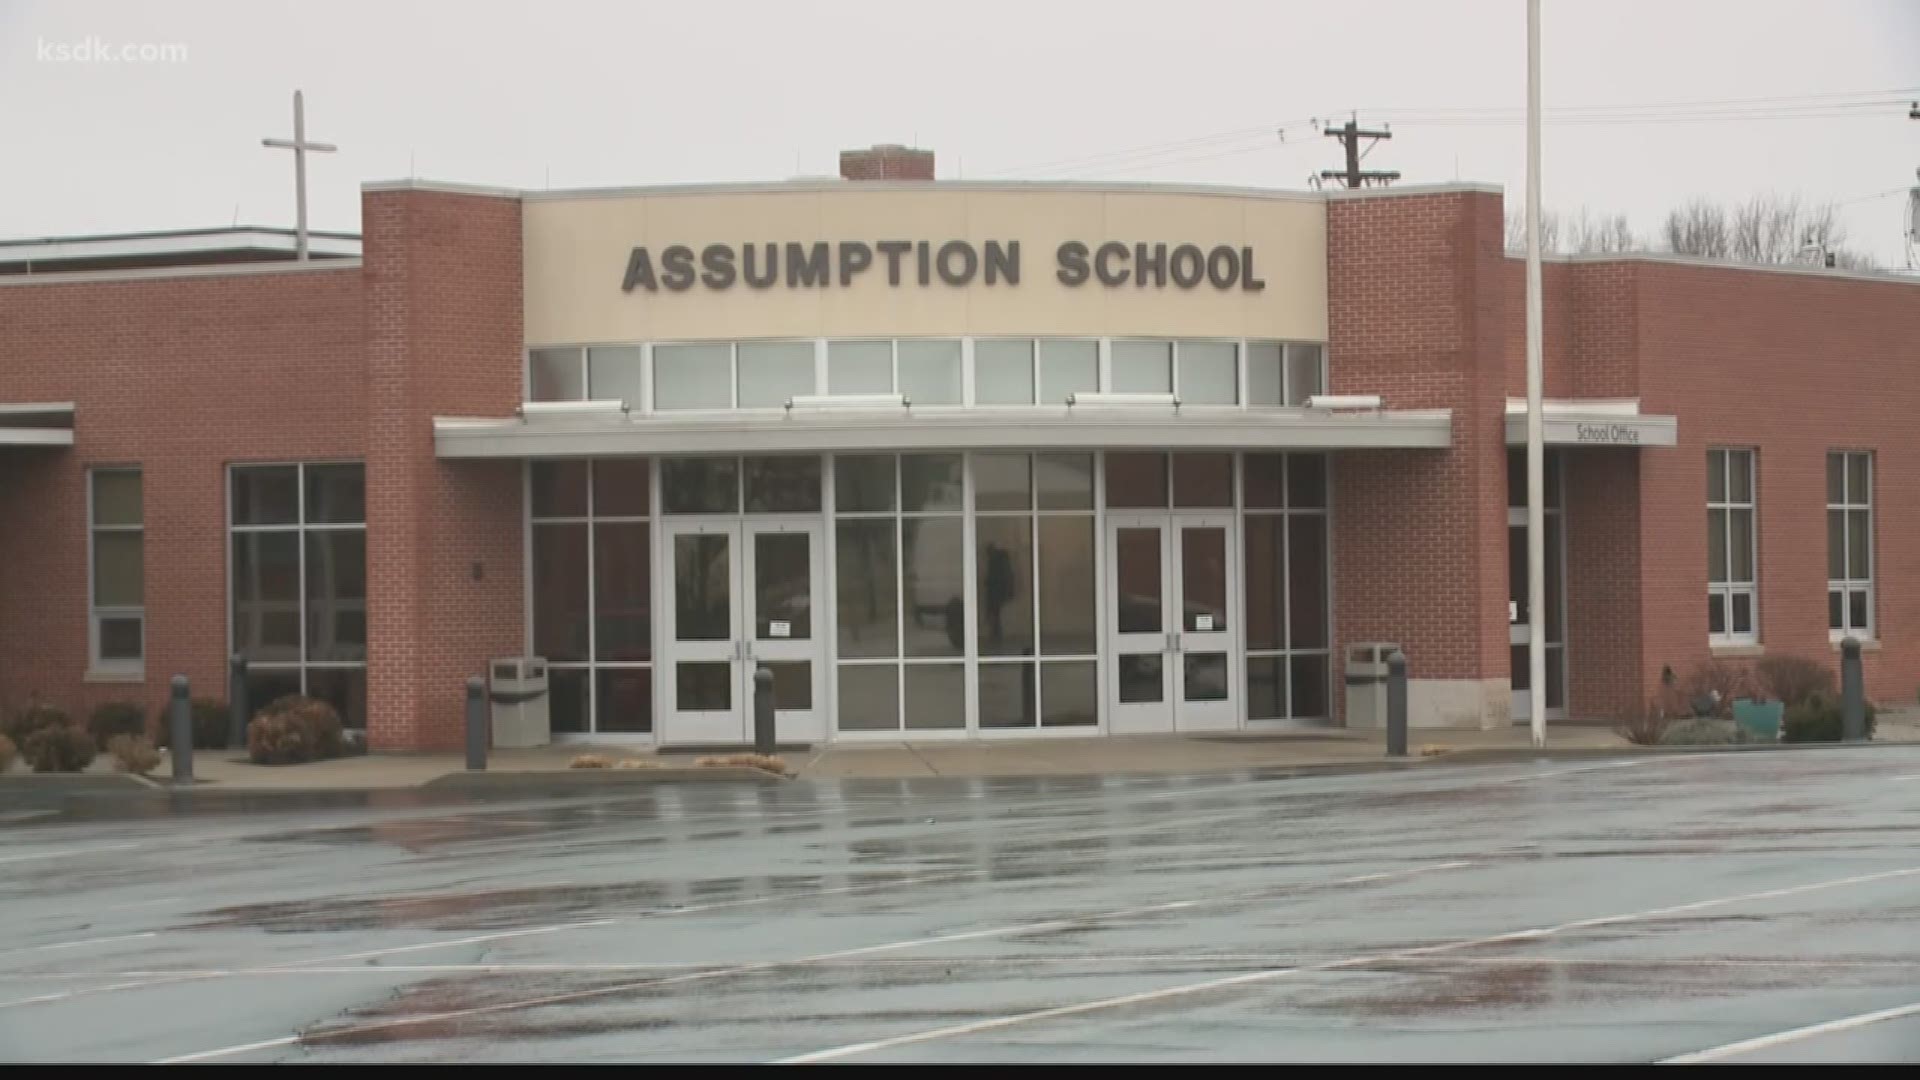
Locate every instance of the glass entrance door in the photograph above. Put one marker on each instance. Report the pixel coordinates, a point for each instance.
(1173, 639)
(704, 651)
(784, 628)
(1141, 634)
(1519, 622)
(1205, 636)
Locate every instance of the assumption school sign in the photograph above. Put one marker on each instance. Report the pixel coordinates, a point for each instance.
(823, 264)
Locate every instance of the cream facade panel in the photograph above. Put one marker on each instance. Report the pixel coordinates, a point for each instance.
(577, 252)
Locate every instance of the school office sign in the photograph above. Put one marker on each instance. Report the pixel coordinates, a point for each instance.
(825, 264)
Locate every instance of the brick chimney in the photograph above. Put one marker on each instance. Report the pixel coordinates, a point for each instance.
(886, 161)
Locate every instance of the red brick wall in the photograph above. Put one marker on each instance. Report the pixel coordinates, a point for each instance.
(1794, 365)
(886, 163)
(1416, 313)
(180, 375)
(444, 337)
(1604, 601)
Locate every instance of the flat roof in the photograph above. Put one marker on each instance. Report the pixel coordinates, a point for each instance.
(179, 247)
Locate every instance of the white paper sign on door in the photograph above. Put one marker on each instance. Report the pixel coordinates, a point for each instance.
(779, 628)
(1203, 622)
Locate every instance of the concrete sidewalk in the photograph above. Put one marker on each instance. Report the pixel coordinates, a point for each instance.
(890, 760)
(1071, 756)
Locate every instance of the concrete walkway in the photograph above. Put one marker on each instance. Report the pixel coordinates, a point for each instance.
(1088, 756)
(891, 760)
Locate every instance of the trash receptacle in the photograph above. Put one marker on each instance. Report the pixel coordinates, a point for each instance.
(518, 692)
(1367, 683)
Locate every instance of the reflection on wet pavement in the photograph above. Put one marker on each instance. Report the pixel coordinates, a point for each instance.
(1005, 919)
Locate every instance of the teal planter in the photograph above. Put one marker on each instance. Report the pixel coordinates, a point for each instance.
(1760, 719)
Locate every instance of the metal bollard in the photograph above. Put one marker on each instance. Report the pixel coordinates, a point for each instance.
(763, 731)
(1396, 704)
(237, 702)
(476, 725)
(180, 731)
(1853, 694)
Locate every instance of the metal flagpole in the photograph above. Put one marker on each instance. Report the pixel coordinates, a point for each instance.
(299, 145)
(1536, 450)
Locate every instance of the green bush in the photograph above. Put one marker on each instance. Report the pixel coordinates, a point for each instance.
(209, 724)
(7, 753)
(1792, 680)
(64, 748)
(1817, 719)
(133, 753)
(293, 729)
(116, 718)
(21, 724)
(1706, 731)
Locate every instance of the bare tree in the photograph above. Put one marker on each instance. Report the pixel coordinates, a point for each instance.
(1698, 227)
(1767, 229)
(1549, 232)
(1601, 233)
(1582, 232)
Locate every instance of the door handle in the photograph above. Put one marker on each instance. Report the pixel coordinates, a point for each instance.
(1173, 642)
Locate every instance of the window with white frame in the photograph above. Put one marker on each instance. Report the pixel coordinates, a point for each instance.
(1850, 543)
(116, 537)
(298, 561)
(928, 372)
(1732, 603)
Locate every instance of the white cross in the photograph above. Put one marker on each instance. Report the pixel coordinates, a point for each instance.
(299, 145)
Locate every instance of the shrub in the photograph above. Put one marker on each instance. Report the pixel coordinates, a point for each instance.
(209, 724)
(1791, 679)
(7, 753)
(1645, 726)
(278, 740)
(1705, 731)
(1712, 686)
(116, 718)
(133, 753)
(293, 729)
(589, 761)
(22, 723)
(636, 763)
(64, 748)
(1817, 719)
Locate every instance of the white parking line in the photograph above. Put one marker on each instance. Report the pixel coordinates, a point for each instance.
(976, 1027)
(66, 852)
(81, 943)
(1780, 1038)
(477, 939)
(741, 969)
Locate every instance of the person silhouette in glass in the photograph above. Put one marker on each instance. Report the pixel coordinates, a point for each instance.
(999, 587)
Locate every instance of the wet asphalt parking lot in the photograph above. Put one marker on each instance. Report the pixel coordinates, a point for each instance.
(1631, 909)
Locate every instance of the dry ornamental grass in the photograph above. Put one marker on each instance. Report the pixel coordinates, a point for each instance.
(767, 762)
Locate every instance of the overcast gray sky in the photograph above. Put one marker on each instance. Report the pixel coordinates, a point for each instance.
(568, 93)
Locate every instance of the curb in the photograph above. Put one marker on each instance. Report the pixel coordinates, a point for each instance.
(1575, 753)
(77, 783)
(568, 778)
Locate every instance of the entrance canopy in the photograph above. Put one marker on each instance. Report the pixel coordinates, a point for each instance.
(1592, 422)
(612, 430)
(36, 424)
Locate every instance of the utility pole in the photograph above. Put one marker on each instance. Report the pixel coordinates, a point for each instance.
(1350, 134)
(1536, 420)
